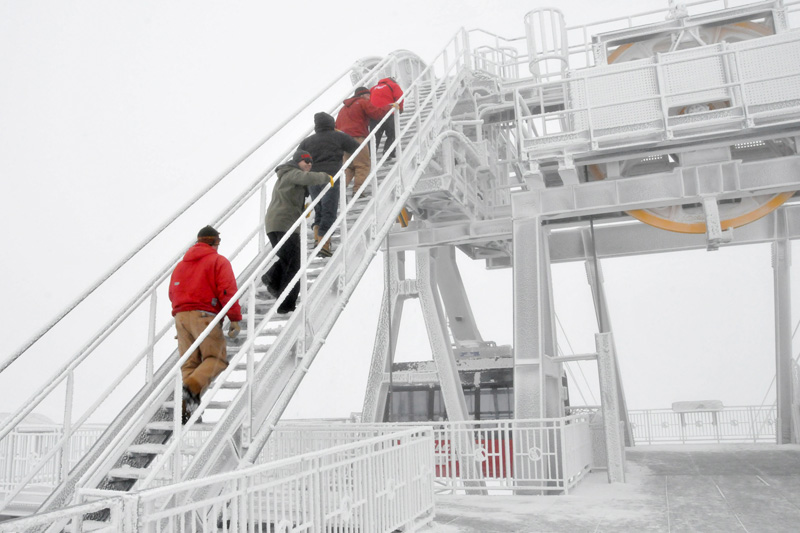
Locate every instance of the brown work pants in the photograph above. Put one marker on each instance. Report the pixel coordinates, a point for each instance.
(209, 359)
(359, 168)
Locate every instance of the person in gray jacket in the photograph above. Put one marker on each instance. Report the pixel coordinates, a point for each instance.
(285, 207)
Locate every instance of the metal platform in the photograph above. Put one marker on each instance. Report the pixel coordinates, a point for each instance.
(730, 488)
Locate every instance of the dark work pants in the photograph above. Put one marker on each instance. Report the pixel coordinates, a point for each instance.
(388, 129)
(326, 210)
(282, 272)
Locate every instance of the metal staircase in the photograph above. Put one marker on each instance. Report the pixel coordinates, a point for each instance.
(146, 445)
(566, 146)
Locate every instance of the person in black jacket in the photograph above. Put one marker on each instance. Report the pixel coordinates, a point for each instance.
(326, 146)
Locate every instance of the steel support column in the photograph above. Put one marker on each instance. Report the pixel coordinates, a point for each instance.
(443, 357)
(594, 274)
(377, 392)
(454, 296)
(781, 263)
(606, 368)
(537, 381)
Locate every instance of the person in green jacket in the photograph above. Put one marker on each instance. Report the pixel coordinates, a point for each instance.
(285, 207)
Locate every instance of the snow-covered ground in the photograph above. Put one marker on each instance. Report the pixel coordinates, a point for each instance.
(702, 488)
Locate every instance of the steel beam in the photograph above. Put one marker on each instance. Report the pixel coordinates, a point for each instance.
(781, 263)
(378, 388)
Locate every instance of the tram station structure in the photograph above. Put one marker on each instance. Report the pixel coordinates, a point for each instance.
(668, 131)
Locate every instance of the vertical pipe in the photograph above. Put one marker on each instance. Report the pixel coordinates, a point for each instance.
(251, 328)
(67, 428)
(301, 343)
(151, 335)
(262, 213)
(781, 263)
(343, 242)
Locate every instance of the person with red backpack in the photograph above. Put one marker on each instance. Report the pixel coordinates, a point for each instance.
(353, 119)
(385, 92)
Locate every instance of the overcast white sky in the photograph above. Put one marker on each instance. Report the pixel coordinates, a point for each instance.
(113, 114)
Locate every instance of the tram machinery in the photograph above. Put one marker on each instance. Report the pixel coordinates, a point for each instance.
(687, 124)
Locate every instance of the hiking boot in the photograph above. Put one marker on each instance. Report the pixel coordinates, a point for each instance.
(189, 405)
(325, 251)
(271, 289)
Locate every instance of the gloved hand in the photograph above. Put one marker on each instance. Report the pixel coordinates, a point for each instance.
(234, 330)
(395, 105)
(331, 178)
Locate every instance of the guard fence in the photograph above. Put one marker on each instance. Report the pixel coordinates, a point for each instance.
(383, 483)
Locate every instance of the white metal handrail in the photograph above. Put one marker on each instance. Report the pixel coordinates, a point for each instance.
(248, 284)
(65, 372)
(580, 37)
(385, 218)
(577, 119)
(363, 484)
(731, 424)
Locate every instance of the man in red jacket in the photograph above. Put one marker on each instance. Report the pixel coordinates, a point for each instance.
(353, 119)
(201, 285)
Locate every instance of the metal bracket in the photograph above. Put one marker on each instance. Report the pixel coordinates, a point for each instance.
(567, 171)
(716, 236)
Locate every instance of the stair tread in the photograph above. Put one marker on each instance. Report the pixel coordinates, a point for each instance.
(166, 425)
(147, 448)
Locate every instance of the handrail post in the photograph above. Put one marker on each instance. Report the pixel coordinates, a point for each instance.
(177, 425)
(343, 228)
(151, 336)
(373, 157)
(304, 281)
(251, 328)
(262, 213)
(67, 428)
(466, 51)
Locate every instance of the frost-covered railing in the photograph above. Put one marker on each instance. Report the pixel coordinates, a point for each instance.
(375, 484)
(418, 139)
(148, 311)
(24, 446)
(550, 455)
(731, 424)
(702, 91)
(508, 58)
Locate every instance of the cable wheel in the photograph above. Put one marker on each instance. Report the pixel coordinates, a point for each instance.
(690, 218)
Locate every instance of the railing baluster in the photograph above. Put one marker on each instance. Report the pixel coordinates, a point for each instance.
(67, 428)
(151, 336)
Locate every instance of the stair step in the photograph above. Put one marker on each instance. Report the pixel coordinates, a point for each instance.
(166, 425)
(233, 385)
(218, 405)
(147, 449)
(129, 472)
(97, 525)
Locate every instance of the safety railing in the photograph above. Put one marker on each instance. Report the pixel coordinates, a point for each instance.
(376, 484)
(432, 94)
(736, 86)
(731, 424)
(146, 367)
(508, 58)
(547, 456)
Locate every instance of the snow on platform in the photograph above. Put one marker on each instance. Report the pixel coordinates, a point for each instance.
(702, 488)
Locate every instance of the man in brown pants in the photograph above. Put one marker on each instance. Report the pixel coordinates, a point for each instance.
(201, 285)
(353, 119)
